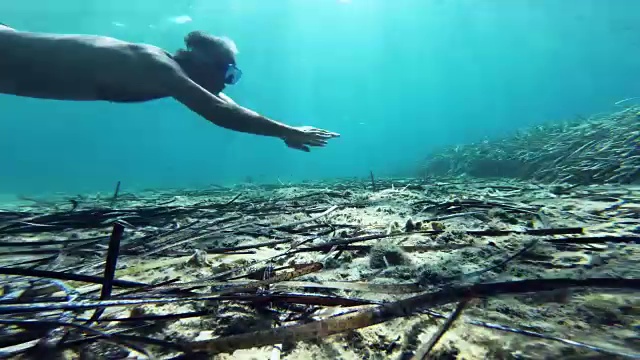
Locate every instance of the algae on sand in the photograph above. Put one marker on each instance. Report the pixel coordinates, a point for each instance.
(384, 255)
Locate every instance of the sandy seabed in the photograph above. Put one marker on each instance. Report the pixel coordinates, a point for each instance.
(346, 269)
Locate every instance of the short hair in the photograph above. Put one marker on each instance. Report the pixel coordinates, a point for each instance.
(201, 41)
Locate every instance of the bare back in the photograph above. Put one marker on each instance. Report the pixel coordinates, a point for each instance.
(76, 67)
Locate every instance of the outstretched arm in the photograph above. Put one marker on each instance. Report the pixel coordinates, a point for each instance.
(229, 100)
(223, 111)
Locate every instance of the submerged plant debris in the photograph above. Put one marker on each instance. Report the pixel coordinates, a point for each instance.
(234, 271)
(445, 268)
(604, 149)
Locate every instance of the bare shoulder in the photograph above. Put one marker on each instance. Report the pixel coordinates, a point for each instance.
(79, 66)
(145, 65)
(152, 57)
(81, 51)
(157, 61)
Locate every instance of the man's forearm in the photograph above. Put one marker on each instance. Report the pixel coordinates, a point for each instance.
(225, 113)
(253, 122)
(242, 119)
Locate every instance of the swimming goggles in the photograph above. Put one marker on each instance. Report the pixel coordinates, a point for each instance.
(232, 74)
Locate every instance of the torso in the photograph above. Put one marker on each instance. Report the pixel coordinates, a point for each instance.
(76, 67)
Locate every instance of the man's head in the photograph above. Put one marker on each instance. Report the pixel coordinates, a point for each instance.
(209, 60)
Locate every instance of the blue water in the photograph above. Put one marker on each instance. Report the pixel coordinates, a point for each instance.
(396, 78)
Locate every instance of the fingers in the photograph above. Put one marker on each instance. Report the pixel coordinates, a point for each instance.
(325, 134)
(297, 146)
(320, 132)
(307, 144)
(331, 133)
(316, 142)
(320, 137)
(301, 147)
(312, 141)
(310, 137)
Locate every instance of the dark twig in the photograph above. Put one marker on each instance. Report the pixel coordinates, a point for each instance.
(596, 240)
(423, 351)
(82, 305)
(115, 194)
(314, 218)
(373, 181)
(65, 276)
(110, 266)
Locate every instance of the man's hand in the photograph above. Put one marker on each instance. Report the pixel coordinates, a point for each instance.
(302, 137)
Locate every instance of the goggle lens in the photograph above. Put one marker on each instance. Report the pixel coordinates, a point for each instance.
(232, 75)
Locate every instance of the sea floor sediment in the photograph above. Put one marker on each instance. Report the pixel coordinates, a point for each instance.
(343, 269)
